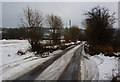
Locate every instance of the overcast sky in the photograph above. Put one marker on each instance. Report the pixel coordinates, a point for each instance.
(11, 11)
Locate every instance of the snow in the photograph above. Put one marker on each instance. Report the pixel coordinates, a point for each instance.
(54, 71)
(106, 66)
(98, 67)
(9, 48)
(118, 53)
(89, 69)
(13, 65)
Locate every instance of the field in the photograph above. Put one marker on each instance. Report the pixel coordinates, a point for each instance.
(15, 65)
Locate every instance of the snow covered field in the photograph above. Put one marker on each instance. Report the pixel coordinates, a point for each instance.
(9, 48)
(12, 65)
(98, 67)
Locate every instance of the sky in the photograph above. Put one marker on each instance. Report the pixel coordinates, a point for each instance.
(11, 11)
(0, 14)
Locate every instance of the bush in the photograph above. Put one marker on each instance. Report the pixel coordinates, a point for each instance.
(117, 49)
(63, 46)
(20, 52)
(34, 38)
(97, 49)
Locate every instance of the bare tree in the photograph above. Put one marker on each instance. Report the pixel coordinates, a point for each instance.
(67, 35)
(74, 33)
(33, 21)
(56, 26)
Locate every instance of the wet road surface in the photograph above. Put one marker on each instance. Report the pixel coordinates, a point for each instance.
(72, 70)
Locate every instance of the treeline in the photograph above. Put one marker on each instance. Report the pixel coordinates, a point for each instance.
(18, 33)
(69, 34)
(13, 33)
(73, 34)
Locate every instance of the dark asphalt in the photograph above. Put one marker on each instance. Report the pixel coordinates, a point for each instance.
(71, 72)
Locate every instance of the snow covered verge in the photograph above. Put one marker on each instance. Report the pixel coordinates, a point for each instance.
(108, 66)
(54, 71)
(98, 67)
(12, 65)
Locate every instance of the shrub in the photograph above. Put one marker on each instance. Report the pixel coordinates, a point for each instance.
(20, 52)
(97, 49)
(116, 49)
(63, 46)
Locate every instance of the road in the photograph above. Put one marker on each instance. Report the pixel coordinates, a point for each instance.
(34, 73)
(69, 73)
(72, 70)
(79, 67)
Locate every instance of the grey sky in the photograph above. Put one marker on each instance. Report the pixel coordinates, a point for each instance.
(67, 10)
(0, 14)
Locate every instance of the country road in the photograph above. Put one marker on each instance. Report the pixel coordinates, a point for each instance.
(65, 63)
(71, 72)
(71, 64)
(34, 73)
(63, 40)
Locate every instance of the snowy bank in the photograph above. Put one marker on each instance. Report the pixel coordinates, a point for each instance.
(99, 67)
(108, 66)
(89, 69)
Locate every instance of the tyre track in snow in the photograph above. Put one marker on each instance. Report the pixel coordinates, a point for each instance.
(7, 67)
(15, 61)
(91, 71)
(89, 68)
